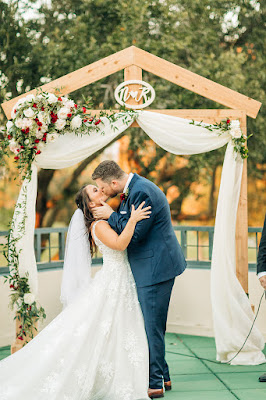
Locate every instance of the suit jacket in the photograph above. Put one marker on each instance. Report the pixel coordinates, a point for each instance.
(261, 261)
(154, 253)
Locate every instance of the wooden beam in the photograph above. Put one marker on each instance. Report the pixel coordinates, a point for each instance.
(81, 77)
(133, 72)
(196, 83)
(205, 115)
(156, 65)
(242, 224)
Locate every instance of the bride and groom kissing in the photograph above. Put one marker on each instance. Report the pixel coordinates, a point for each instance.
(107, 343)
(154, 254)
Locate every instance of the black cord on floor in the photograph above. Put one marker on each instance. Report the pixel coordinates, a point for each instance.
(227, 362)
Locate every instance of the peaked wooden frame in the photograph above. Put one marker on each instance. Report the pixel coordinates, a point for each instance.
(133, 60)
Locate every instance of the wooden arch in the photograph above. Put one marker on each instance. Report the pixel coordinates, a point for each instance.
(133, 60)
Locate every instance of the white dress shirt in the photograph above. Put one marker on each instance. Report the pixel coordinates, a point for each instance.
(128, 182)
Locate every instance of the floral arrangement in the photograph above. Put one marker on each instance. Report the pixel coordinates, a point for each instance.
(234, 129)
(38, 120)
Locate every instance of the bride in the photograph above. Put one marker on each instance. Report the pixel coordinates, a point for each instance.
(96, 348)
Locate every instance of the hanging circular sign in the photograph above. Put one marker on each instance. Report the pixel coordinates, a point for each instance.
(145, 92)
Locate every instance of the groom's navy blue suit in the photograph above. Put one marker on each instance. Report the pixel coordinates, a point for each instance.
(155, 258)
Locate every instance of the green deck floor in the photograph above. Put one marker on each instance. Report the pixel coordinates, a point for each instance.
(195, 379)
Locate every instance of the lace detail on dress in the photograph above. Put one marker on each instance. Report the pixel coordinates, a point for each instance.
(133, 348)
(125, 392)
(51, 383)
(106, 369)
(5, 392)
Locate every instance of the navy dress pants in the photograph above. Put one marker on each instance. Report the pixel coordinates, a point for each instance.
(154, 302)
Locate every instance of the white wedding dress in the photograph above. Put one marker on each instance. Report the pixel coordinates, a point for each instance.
(95, 349)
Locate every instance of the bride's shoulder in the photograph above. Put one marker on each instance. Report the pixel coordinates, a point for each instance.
(100, 228)
(100, 223)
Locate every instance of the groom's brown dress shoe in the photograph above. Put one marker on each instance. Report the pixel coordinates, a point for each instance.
(155, 393)
(168, 385)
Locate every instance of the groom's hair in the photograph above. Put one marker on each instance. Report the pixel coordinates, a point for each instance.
(107, 171)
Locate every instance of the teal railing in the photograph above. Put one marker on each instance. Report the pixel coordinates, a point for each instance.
(196, 243)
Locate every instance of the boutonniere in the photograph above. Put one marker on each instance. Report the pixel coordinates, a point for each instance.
(124, 196)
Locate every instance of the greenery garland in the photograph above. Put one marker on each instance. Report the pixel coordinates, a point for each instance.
(21, 297)
(232, 127)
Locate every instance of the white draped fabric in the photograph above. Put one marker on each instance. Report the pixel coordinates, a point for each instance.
(232, 314)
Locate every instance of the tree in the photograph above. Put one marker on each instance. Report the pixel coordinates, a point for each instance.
(215, 39)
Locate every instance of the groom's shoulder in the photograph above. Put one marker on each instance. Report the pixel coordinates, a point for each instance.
(143, 182)
(145, 185)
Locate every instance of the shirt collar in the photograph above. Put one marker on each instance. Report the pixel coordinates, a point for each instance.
(128, 182)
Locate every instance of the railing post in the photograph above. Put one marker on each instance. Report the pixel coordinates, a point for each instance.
(61, 243)
(38, 245)
(210, 243)
(184, 242)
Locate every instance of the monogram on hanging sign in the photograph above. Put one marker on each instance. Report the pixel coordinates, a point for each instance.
(145, 92)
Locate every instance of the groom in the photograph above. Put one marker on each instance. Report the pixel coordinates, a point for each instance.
(154, 255)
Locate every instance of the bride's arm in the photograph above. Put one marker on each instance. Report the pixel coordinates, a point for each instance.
(120, 242)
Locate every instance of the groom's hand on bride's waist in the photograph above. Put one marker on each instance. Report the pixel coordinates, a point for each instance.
(102, 212)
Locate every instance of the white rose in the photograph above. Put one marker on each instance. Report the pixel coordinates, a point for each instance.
(29, 298)
(13, 146)
(236, 133)
(60, 124)
(235, 124)
(43, 117)
(235, 129)
(9, 125)
(29, 113)
(52, 98)
(39, 135)
(20, 102)
(51, 137)
(30, 97)
(27, 141)
(76, 122)
(19, 123)
(70, 104)
(26, 123)
(62, 113)
(64, 100)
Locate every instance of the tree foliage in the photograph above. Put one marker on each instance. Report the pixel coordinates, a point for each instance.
(220, 40)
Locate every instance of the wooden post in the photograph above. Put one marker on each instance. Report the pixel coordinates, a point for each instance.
(133, 72)
(242, 224)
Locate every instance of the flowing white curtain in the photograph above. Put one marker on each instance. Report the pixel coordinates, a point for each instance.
(232, 314)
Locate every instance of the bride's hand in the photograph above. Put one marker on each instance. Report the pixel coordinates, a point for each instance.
(140, 213)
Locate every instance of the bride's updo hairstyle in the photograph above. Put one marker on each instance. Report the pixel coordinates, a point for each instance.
(82, 201)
